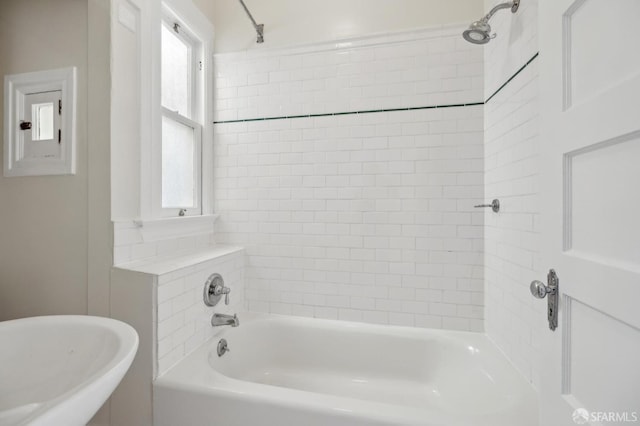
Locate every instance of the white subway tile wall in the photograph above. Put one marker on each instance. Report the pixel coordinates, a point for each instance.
(365, 217)
(428, 67)
(516, 42)
(183, 321)
(514, 318)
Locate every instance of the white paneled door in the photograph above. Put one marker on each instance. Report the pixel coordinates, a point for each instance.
(590, 115)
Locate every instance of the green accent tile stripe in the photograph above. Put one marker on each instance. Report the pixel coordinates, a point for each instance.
(333, 114)
(512, 77)
(372, 111)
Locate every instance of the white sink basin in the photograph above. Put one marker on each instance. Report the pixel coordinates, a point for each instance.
(59, 370)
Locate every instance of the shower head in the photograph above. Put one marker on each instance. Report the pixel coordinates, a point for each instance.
(479, 32)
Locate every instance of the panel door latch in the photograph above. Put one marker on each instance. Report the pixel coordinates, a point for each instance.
(539, 290)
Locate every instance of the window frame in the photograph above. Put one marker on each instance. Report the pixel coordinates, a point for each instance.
(200, 42)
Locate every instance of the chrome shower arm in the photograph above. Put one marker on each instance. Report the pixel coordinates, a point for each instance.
(259, 27)
(513, 5)
(479, 32)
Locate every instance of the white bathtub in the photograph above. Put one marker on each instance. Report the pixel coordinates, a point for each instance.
(306, 372)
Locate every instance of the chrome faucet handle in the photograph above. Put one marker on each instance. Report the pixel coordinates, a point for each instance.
(220, 290)
(214, 289)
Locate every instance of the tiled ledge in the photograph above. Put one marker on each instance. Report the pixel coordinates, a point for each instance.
(177, 262)
(162, 297)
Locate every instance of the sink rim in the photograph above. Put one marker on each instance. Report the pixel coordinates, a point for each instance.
(109, 374)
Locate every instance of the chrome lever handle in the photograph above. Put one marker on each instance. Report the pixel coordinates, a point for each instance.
(219, 290)
(495, 205)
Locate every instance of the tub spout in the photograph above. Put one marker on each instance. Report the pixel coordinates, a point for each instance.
(222, 319)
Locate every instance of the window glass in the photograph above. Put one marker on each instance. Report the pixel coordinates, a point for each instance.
(42, 118)
(176, 73)
(178, 164)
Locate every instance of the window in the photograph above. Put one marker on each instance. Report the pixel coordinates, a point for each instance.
(182, 121)
(40, 123)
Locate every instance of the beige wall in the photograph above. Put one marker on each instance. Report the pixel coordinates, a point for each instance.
(43, 220)
(100, 250)
(292, 22)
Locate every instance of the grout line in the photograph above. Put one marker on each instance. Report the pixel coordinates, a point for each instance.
(333, 114)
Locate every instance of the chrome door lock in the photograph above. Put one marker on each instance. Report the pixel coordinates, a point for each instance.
(539, 290)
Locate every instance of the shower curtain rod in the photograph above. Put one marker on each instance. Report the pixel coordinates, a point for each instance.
(259, 27)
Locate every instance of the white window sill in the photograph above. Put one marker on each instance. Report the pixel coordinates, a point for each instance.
(175, 227)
